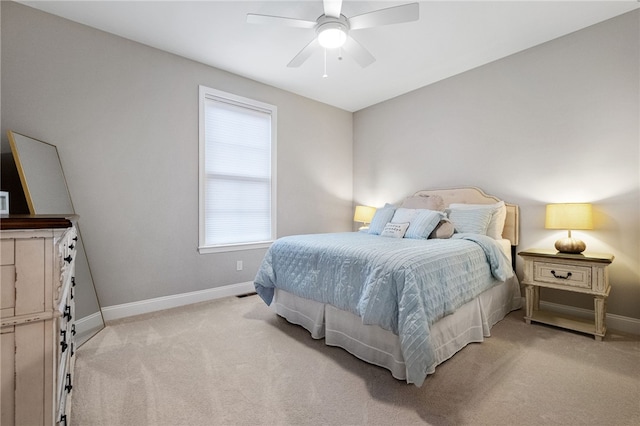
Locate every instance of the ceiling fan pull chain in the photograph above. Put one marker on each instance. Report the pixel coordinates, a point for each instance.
(325, 64)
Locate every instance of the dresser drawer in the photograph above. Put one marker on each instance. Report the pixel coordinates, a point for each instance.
(562, 274)
(64, 378)
(7, 251)
(7, 278)
(7, 290)
(67, 254)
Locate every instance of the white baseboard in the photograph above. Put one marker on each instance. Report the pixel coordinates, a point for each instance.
(614, 322)
(111, 313)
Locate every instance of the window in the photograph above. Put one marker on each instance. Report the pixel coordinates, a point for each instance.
(237, 172)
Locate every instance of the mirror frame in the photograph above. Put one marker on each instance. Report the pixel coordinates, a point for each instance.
(46, 192)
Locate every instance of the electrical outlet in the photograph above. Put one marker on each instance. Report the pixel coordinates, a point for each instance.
(239, 265)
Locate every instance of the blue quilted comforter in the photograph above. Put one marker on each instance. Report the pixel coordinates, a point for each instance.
(401, 285)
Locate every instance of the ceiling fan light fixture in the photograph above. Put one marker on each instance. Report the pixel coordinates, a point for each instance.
(332, 29)
(332, 35)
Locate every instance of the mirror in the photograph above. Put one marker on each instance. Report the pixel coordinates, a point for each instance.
(46, 192)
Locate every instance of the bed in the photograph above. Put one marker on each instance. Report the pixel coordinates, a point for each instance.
(408, 293)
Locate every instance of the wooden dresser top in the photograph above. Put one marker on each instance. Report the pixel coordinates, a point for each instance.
(8, 222)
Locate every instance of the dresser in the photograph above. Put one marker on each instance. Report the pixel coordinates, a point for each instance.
(37, 319)
(585, 273)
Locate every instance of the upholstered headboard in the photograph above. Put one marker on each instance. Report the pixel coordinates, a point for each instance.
(472, 195)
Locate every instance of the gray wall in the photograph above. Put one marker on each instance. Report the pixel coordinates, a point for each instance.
(125, 120)
(555, 123)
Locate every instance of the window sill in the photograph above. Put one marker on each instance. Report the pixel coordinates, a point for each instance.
(234, 247)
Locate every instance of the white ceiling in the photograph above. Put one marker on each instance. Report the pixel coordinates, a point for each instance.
(449, 38)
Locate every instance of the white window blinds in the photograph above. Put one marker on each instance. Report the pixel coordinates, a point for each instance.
(237, 182)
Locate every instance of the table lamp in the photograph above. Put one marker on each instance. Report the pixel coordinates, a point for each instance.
(364, 214)
(570, 216)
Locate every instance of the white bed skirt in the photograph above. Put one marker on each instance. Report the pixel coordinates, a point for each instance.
(470, 323)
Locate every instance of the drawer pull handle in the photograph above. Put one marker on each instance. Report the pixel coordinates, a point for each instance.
(63, 419)
(67, 313)
(71, 246)
(73, 281)
(560, 277)
(68, 386)
(68, 259)
(63, 343)
(73, 329)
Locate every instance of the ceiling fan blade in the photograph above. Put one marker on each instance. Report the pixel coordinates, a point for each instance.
(358, 52)
(332, 8)
(304, 54)
(253, 18)
(393, 15)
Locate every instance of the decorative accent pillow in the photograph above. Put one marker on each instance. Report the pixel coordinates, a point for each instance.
(498, 216)
(473, 221)
(444, 230)
(429, 202)
(394, 230)
(381, 218)
(423, 224)
(403, 215)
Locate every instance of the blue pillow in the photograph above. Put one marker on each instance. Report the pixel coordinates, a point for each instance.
(381, 218)
(474, 221)
(423, 224)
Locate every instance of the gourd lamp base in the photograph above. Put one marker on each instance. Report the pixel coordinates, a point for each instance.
(570, 245)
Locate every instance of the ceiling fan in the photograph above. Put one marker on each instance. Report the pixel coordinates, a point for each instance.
(332, 28)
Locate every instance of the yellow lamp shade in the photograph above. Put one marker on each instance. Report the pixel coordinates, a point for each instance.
(569, 216)
(364, 214)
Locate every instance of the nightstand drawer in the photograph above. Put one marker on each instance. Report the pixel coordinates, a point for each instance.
(561, 274)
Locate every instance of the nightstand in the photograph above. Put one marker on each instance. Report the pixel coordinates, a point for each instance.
(581, 273)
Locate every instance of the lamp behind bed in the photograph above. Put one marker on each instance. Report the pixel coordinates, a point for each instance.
(364, 215)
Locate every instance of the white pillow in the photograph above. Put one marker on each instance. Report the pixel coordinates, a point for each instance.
(380, 218)
(473, 221)
(423, 224)
(394, 230)
(403, 215)
(498, 216)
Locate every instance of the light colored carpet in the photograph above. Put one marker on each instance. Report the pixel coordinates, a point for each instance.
(234, 362)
